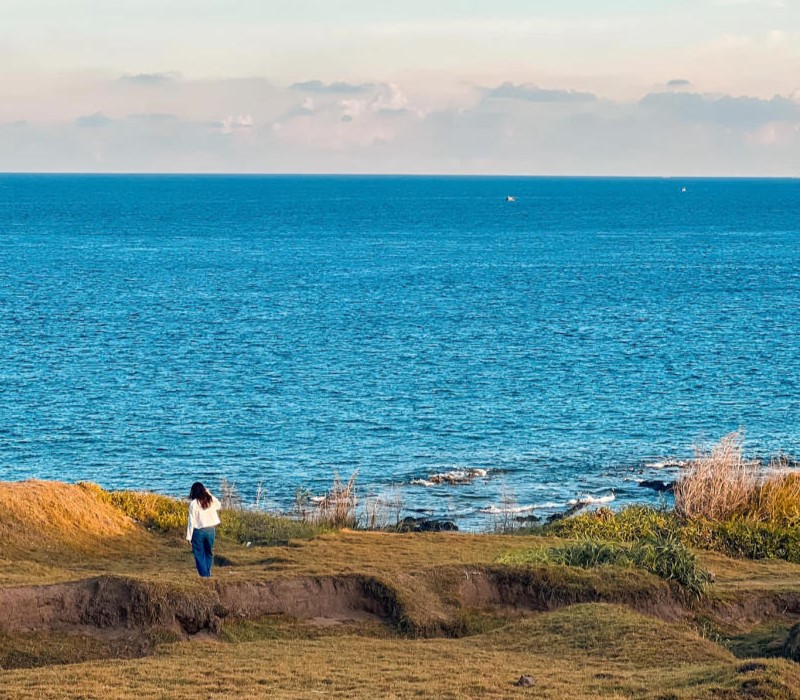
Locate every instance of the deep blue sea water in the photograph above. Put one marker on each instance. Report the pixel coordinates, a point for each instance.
(154, 330)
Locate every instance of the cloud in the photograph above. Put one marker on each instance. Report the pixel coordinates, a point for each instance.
(255, 126)
(336, 88)
(533, 93)
(725, 110)
(152, 118)
(679, 83)
(231, 124)
(150, 79)
(93, 121)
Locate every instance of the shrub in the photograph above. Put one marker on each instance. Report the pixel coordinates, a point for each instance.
(157, 512)
(263, 529)
(627, 525)
(169, 515)
(663, 555)
(744, 538)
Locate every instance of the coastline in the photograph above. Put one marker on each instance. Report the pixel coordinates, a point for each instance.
(124, 589)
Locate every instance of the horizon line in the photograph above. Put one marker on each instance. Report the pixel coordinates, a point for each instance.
(147, 173)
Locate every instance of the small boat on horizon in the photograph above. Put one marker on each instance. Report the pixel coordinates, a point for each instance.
(509, 198)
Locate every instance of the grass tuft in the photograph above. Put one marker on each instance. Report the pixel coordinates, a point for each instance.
(663, 555)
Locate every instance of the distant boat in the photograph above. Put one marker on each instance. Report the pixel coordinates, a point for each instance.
(683, 189)
(511, 199)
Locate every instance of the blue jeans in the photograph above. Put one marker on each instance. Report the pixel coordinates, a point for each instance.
(202, 546)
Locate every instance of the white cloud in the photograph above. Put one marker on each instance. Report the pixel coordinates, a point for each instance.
(231, 124)
(516, 128)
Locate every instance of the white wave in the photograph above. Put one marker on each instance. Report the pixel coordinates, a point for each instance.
(456, 477)
(589, 500)
(505, 510)
(667, 464)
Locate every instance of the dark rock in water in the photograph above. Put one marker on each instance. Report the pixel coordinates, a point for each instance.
(527, 519)
(657, 485)
(525, 682)
(568, 513)
(410, 524)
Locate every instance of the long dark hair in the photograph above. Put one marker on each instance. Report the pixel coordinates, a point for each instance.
(200, 493)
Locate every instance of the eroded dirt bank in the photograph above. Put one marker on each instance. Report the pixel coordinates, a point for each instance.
(426, 603)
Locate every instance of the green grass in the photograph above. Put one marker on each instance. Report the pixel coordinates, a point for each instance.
(738, 537)
(662, 554)
(582, 652)
(469, 628)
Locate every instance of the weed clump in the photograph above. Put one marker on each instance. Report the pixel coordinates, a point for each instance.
(336, 510)
(663, 555)
(627, 525)
(154, 511)
(719, 484)
(723, 485)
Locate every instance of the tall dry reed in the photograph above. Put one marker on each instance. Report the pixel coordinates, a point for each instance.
(718, 484)
(337, 509)
(777, 498)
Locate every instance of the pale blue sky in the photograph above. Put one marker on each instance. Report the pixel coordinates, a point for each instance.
(208, 85)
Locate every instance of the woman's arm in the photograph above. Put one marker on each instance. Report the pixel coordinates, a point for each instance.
(190, 524)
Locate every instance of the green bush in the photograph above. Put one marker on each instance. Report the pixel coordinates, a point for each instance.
(663, 555)
(169, 515)
(264, 529)
(160, 513)
(746, 539)
(627, 525)
(739, 537)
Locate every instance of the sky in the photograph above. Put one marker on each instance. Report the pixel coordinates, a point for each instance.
(574, 87)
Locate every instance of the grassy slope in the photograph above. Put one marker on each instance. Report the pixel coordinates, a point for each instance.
(584, 651)
(581, 651)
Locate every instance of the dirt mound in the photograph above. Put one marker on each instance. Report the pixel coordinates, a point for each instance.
(42, 515)
(108, 602)
(549, 588)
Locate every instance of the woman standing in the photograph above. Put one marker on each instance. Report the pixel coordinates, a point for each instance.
(202, 527)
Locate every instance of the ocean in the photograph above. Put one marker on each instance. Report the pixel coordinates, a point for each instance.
(155, 330)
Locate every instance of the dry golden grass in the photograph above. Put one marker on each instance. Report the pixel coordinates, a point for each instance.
(722, 484)
(37, 516)
(718, 484)
(583, 652)
(777, 499)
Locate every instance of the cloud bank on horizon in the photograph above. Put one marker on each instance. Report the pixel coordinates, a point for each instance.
(684, 88)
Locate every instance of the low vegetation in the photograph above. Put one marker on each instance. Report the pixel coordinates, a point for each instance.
(581, 652)
(166, 515)
(723, 502)
(662, 554)
(605, 604)
(723, 484)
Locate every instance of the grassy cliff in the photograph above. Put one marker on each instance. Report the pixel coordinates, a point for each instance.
(100, 600)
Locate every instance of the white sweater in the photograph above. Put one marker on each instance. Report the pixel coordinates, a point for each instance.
(200, 517)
